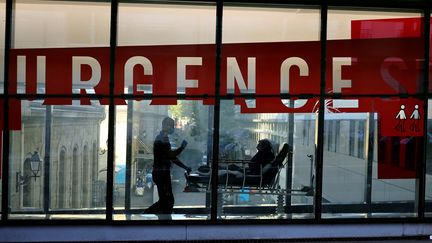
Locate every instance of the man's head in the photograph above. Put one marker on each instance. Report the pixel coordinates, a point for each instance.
(168, 125)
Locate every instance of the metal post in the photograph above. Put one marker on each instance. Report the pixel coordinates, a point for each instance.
(369, 160)
(128, 156)
(320, 132)
(421, 167)
(111, 113)
(209, 152)
(289, 169)
(215, 155)
(46, 178)
(6, 135)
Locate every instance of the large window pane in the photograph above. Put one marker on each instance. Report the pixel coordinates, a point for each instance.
(374, 52)
(270, 50)
(254, 181)
(172, 53)
(68, 140)
(371, 159)
(27, 185)
(140, 129)
(59, 26)
(168, 48)
(41, 63)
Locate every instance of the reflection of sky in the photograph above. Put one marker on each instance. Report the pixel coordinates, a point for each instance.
(120, 134)
(120, 174)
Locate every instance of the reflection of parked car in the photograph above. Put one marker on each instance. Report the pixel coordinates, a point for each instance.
(149, 180)
(203, 160)
(144, 182)
(139, 184)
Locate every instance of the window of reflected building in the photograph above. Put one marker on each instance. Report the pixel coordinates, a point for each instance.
(76, 183)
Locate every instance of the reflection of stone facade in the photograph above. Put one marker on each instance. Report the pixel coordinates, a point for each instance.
(73, 155)
(147, 124)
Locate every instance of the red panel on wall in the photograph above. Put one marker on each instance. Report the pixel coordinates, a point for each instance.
(400, 130)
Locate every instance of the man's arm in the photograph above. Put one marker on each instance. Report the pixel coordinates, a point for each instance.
(180, 164)
(180, 149)
(164, 148)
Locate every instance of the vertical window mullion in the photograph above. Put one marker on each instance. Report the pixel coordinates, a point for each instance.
(47, 161)
(320, 137)
(129, 134)
(111, 115)
(421, 189)
(5, 149)
(216, 115)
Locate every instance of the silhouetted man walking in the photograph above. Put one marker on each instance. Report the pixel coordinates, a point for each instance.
(163, 156)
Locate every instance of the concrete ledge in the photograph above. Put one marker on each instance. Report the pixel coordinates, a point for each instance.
(207, 232)
(307, 231)
(90, 233)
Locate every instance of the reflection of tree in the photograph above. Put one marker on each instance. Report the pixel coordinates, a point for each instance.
(228, 114)
(195, 117)
(192, 120)
(195, 121)
(236, 131)
(177, 111)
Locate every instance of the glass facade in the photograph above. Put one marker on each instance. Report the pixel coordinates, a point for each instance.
(357, 166)
(214, 111)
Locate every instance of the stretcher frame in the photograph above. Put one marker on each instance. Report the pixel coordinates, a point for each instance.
(273, 188)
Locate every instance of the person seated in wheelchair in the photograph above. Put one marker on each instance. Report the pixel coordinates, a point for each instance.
(262, 171)
(265, 155)
(263, 167)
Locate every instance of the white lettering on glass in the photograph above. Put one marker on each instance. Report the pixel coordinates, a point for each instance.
(338, 82)
(77, 83)
(40, 73)
(182, 63)
(128, 73)
(285, 77)
(234, 74)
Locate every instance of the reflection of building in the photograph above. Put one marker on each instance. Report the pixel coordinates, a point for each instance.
(73, 156)
(147, 123)
(346, 158)
(272, 126)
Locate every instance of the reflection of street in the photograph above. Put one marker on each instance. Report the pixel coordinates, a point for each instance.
(182, 199)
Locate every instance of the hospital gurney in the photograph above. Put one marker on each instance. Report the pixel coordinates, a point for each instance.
(239, 181)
